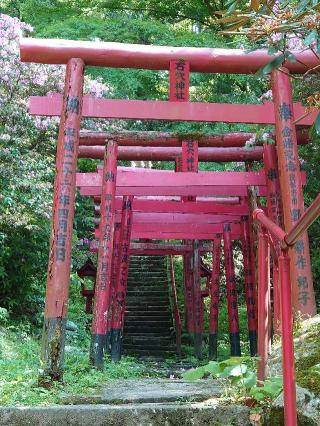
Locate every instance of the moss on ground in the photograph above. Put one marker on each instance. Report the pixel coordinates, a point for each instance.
(307, 367)
(307, 354)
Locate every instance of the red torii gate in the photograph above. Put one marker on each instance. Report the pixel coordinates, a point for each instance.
(160, 225)
(75, 54)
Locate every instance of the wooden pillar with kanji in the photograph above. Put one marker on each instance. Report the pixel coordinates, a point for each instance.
(58, 278)
(250, 290)
(118, 309)
(303, 296)
(274, 205)
(231, 287)
(105, 252)
(214, 298)
(197, 301)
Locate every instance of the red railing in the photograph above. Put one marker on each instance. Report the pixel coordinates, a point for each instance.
(177, 318)
(286, 240)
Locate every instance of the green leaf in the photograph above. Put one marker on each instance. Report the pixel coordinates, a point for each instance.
(272, 50)
(238, 370)
(213, 368)
(258, 396)
(317, 124)
(290, 56)
(312, 36)
(249, 381)
(235, 360)
(302, 5)
(272, 389)
(270, 66)
(231, 7)
(194, 374)
(225, 373)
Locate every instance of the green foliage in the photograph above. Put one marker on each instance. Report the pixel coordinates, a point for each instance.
(4, 316)
(240, 376)
(19, 363)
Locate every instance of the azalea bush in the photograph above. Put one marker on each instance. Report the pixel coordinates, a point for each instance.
(27, 166)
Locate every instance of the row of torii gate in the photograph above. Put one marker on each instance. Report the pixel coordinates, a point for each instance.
(183, 204)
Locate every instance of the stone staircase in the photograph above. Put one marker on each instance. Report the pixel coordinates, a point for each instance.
(148, 326)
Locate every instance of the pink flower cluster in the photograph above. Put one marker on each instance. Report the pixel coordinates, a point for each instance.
(20, 80)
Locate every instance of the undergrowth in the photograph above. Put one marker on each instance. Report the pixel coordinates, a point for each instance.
(19, 366)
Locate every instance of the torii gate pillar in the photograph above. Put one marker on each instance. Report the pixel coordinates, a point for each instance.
(303, 297)
(58, 278)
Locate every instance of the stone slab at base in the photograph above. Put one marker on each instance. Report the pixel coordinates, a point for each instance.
(197, 414)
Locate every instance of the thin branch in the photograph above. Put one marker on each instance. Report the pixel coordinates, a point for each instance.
(311, 70)
(159, 12)
(211, 8)
(302, 116)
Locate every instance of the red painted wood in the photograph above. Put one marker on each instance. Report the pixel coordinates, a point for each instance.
(190, 156)
(121, 283)
(187, 232)
(169, 111)
(197, 299)
(215, 287)
(158, 248)
(291, 190)
(176, 227)
(128, 178)
(289, 385)
(162, 139)
(114, 274)
(64, 193)
(167, 206)
(179, 218)
(177, 319)
(218, 200)
(123, 55)
(263, 302)
(179, 71)
(274, 204)
(58, 277)
(136, 153)
(230, 280)
(249, 278)
(219, 190)
(188, 288)
(106, 235)
(305, 221)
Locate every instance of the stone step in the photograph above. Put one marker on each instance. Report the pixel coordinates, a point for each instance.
(150, 267)
(146, 314)
(141, 305)
(154, 263)
(151, 322)
(146, 259)
(147, 306)
(155, 309)
(150, 291)
(141, 298)
(157, 296)
(131, 331)
(140, 328)
(152, 319)
(145, 346)
(141, 277)
(147, 281)
(158, 345)
(142, 414)
(145, 354)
